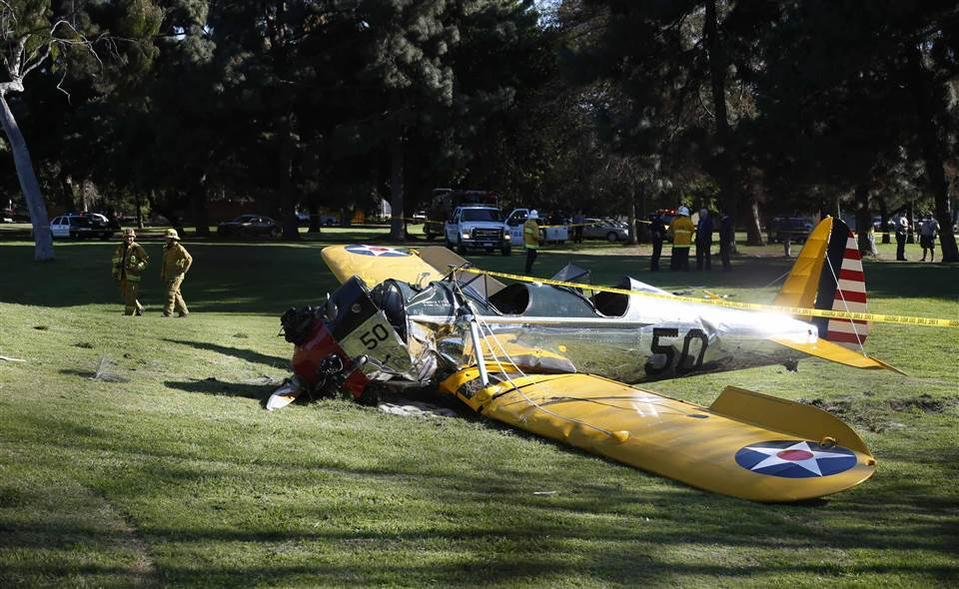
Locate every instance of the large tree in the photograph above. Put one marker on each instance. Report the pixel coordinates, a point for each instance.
(849, 93)
(46, 37)
(670, 95)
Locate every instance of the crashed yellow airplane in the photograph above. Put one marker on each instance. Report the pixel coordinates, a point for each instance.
(552, 361)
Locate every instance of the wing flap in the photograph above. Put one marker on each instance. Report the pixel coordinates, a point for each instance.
(783, 415)
(701, 447)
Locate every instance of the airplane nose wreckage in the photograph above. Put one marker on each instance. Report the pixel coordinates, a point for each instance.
(545, 357)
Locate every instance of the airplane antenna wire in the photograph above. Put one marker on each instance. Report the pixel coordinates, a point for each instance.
(780, 277)
(843, 299)
(486, 327)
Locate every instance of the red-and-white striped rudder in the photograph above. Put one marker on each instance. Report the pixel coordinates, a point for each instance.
(850, 296)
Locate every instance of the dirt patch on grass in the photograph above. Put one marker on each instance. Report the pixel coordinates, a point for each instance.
(879, 416)
(923, 403)
(863, 413)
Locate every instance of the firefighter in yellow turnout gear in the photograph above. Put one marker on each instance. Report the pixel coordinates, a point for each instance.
(176, 262)
(682, 230)
(129, 261)
(531, 239)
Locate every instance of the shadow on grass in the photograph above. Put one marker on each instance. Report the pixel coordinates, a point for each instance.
(241, 353)
(269, 277)
(628, 529)
(212, 386)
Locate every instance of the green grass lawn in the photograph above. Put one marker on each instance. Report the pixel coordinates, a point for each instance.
(166, 470)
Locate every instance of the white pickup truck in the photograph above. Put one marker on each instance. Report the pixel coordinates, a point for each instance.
(552, 234)
(478, 226)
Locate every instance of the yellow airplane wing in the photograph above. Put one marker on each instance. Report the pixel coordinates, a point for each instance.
(745, 444)
(374, 264)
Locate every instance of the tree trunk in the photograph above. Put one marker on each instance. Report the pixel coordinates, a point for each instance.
(725, 171)
(863, 220)
(397, 225)
(201, 216)
(929, 105)
(632, 219)
(754, 231)
(911, 215)
(884, 219)
(169, 207)
(42, 237)
(287, 209)
(314, 209)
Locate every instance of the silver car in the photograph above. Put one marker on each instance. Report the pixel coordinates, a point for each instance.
(611, 231)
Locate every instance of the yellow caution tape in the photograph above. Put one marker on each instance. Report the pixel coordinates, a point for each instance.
(800, 311)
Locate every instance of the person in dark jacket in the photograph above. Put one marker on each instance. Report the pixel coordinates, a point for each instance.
(902, 232)
(704, 240)
(657, 232)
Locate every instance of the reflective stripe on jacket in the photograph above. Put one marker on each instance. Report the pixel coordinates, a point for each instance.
(531, 234)
(129, 261)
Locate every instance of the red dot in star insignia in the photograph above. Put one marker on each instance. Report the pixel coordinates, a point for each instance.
(794, 455)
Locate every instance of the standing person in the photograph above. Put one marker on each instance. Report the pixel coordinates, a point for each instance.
(902, 231)
(682, 231)
(129, 261)
(531, 239)
(927, 236)
(579, 219)
(704, 240)
(176, 263)
(727, 238)
(657, 232)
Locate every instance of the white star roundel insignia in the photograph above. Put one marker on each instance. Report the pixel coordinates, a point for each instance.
(795, 459)
(375, 250)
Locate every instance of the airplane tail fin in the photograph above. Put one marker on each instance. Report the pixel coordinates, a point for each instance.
(828, 275)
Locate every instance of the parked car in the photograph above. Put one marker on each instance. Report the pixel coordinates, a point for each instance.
(443, 203)
(81, 226)
(6, 216)
(606, 229)
(796, 228)
(249, 226)
(478, 227)
(550, 231)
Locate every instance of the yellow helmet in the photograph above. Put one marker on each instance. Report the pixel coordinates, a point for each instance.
(172, 234)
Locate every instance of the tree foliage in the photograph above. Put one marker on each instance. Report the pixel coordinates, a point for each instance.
(758, 108)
